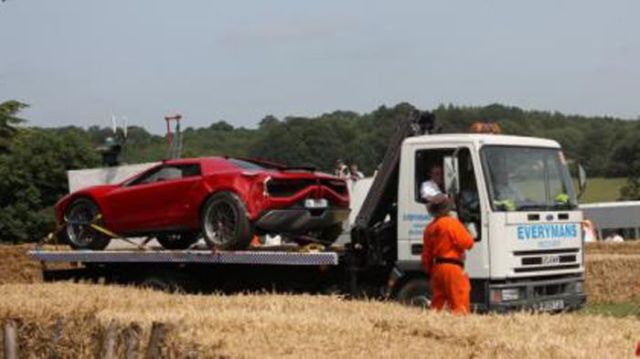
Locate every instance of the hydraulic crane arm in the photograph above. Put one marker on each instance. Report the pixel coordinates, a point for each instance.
(373, 240)
(384, 189)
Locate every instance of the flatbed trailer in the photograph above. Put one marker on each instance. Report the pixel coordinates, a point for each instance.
(189, 257)
(200, 270)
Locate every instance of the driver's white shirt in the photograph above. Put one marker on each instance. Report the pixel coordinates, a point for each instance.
(429, 189)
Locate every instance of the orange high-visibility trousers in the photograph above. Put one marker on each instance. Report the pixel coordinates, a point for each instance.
(450, 285)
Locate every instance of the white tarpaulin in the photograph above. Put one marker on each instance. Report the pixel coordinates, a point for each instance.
(79, 179)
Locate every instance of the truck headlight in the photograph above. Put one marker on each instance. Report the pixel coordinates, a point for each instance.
(579, 287)
(510, 294)
(504, 295)
(495, 296)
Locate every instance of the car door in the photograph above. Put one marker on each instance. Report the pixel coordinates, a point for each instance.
(153, 200)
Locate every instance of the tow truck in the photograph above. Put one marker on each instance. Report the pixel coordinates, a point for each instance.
(514, 194)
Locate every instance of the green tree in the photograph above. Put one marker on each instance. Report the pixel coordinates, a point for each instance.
(8, 121)
(33, 177)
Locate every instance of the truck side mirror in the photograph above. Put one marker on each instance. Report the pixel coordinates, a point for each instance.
(582, 180)
(451, 178)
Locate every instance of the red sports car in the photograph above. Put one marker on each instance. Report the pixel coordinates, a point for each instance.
(226, 200)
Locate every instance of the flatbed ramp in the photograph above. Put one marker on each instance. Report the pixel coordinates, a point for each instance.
(189, 256)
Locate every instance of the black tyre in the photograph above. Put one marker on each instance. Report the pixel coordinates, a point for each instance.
(165, 282)
(177, 240)
(224, 222)
(331, 234)
(79, 233)
(415, 292)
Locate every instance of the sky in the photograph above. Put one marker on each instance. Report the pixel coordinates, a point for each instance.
(78, 62)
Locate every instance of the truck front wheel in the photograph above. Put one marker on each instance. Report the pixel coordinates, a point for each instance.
(415, 292)
(331, 234)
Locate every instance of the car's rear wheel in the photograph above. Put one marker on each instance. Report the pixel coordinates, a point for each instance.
(177, 240)
(224, 222)
(79, 233)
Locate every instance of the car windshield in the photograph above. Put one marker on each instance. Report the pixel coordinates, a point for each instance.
(246, 165)
(253, 164)
(526, 179)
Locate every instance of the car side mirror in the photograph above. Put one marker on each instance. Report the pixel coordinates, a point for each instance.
(582, 180)
(451, 178)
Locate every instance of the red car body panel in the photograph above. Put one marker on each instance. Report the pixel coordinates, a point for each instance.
(130, 208)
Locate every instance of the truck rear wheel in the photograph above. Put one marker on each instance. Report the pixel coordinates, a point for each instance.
(331, 234)
(79, 233)
(415, 292)
(177, 240)
(224, 222)
(166, 281)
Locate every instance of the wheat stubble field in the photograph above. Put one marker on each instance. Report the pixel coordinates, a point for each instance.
(279, 325)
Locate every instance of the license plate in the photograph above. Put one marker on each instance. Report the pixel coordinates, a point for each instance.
(550, 305)
(315, 203)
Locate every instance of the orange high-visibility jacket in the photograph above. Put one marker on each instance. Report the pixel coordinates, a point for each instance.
(444, 237)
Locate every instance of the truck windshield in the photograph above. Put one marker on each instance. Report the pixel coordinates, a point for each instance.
(527, 179)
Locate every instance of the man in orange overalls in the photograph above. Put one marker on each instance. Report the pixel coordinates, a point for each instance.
(445, 242)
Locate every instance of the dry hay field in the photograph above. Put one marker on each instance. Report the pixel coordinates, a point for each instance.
(272, 325)
(279, 325)
(613, 272)
(16, 267)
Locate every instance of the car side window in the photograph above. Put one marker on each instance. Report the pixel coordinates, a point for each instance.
(190, 170)
(169, 173)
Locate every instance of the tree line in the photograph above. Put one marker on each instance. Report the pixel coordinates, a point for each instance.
(34, 161)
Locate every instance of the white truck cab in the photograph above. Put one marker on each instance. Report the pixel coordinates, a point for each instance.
(516, 197)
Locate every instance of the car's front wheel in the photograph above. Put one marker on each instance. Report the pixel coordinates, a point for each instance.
(224, 222)
(177, 240)
(79, 233)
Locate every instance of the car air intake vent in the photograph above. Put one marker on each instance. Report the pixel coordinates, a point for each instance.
(286, 188)
(340, 187)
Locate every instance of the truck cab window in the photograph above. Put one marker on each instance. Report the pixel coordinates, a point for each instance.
(429, 175)
(468, 200)
(526, 179)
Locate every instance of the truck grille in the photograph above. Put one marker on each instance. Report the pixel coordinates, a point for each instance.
(546, 268)
(550, 289)
(547, 260)
(546, 251)
(529, 261)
